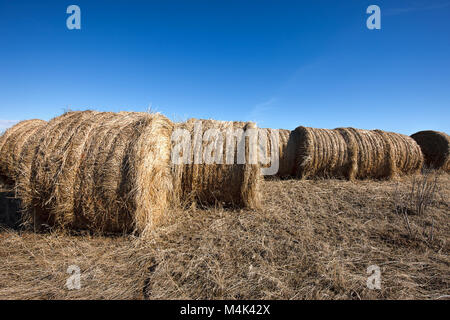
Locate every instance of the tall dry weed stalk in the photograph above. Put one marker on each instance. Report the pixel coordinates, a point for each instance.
(417, 200)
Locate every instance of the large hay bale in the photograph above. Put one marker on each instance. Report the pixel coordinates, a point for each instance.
(324, 153)
(406, 156)
(286, 154)
(101, 171)
(12, 144)
(23, 185)
(355, 153)
(373, 154)
(435, 146)
(229, 181)
(383, 155)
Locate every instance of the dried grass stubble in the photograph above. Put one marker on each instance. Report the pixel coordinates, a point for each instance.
(312, 240)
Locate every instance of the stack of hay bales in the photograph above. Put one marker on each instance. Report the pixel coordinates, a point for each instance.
(435, 147)
(120, 172)
(14, 145)
(209, 173)
(100, 171)
(355, 153)
(112, 172)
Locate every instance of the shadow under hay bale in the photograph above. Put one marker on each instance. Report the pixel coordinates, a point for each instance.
(435, 147)
(219, 180)
(10, 213)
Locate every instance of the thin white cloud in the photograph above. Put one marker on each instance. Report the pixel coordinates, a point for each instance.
(5, 124)
(398, 11)
(260, 111)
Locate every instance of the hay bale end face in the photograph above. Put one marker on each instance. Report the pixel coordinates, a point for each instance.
(435, 146)
(101, 171)
(217, 181)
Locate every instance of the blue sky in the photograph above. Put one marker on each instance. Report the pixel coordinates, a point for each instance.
(280, 63)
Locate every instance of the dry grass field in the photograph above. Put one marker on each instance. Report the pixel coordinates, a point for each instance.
(312, 239)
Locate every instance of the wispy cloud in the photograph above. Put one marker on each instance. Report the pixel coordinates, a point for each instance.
(398, 11)
(5, 124)
(260, 111)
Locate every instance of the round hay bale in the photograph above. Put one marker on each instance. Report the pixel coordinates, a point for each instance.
(355, 153)
(209, 169)
(103, 172)
(323, 153)
(287, 151)
(24, 186)
(48, 161)
(383, 155)
(435, 146)
(373, 154)
(407, 158)
(351, 165)
(12, 143)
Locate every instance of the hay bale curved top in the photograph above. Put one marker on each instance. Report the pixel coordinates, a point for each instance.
(323, 153)
(12, 143)
(223, 180)
(435, 146)
(102, 171)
